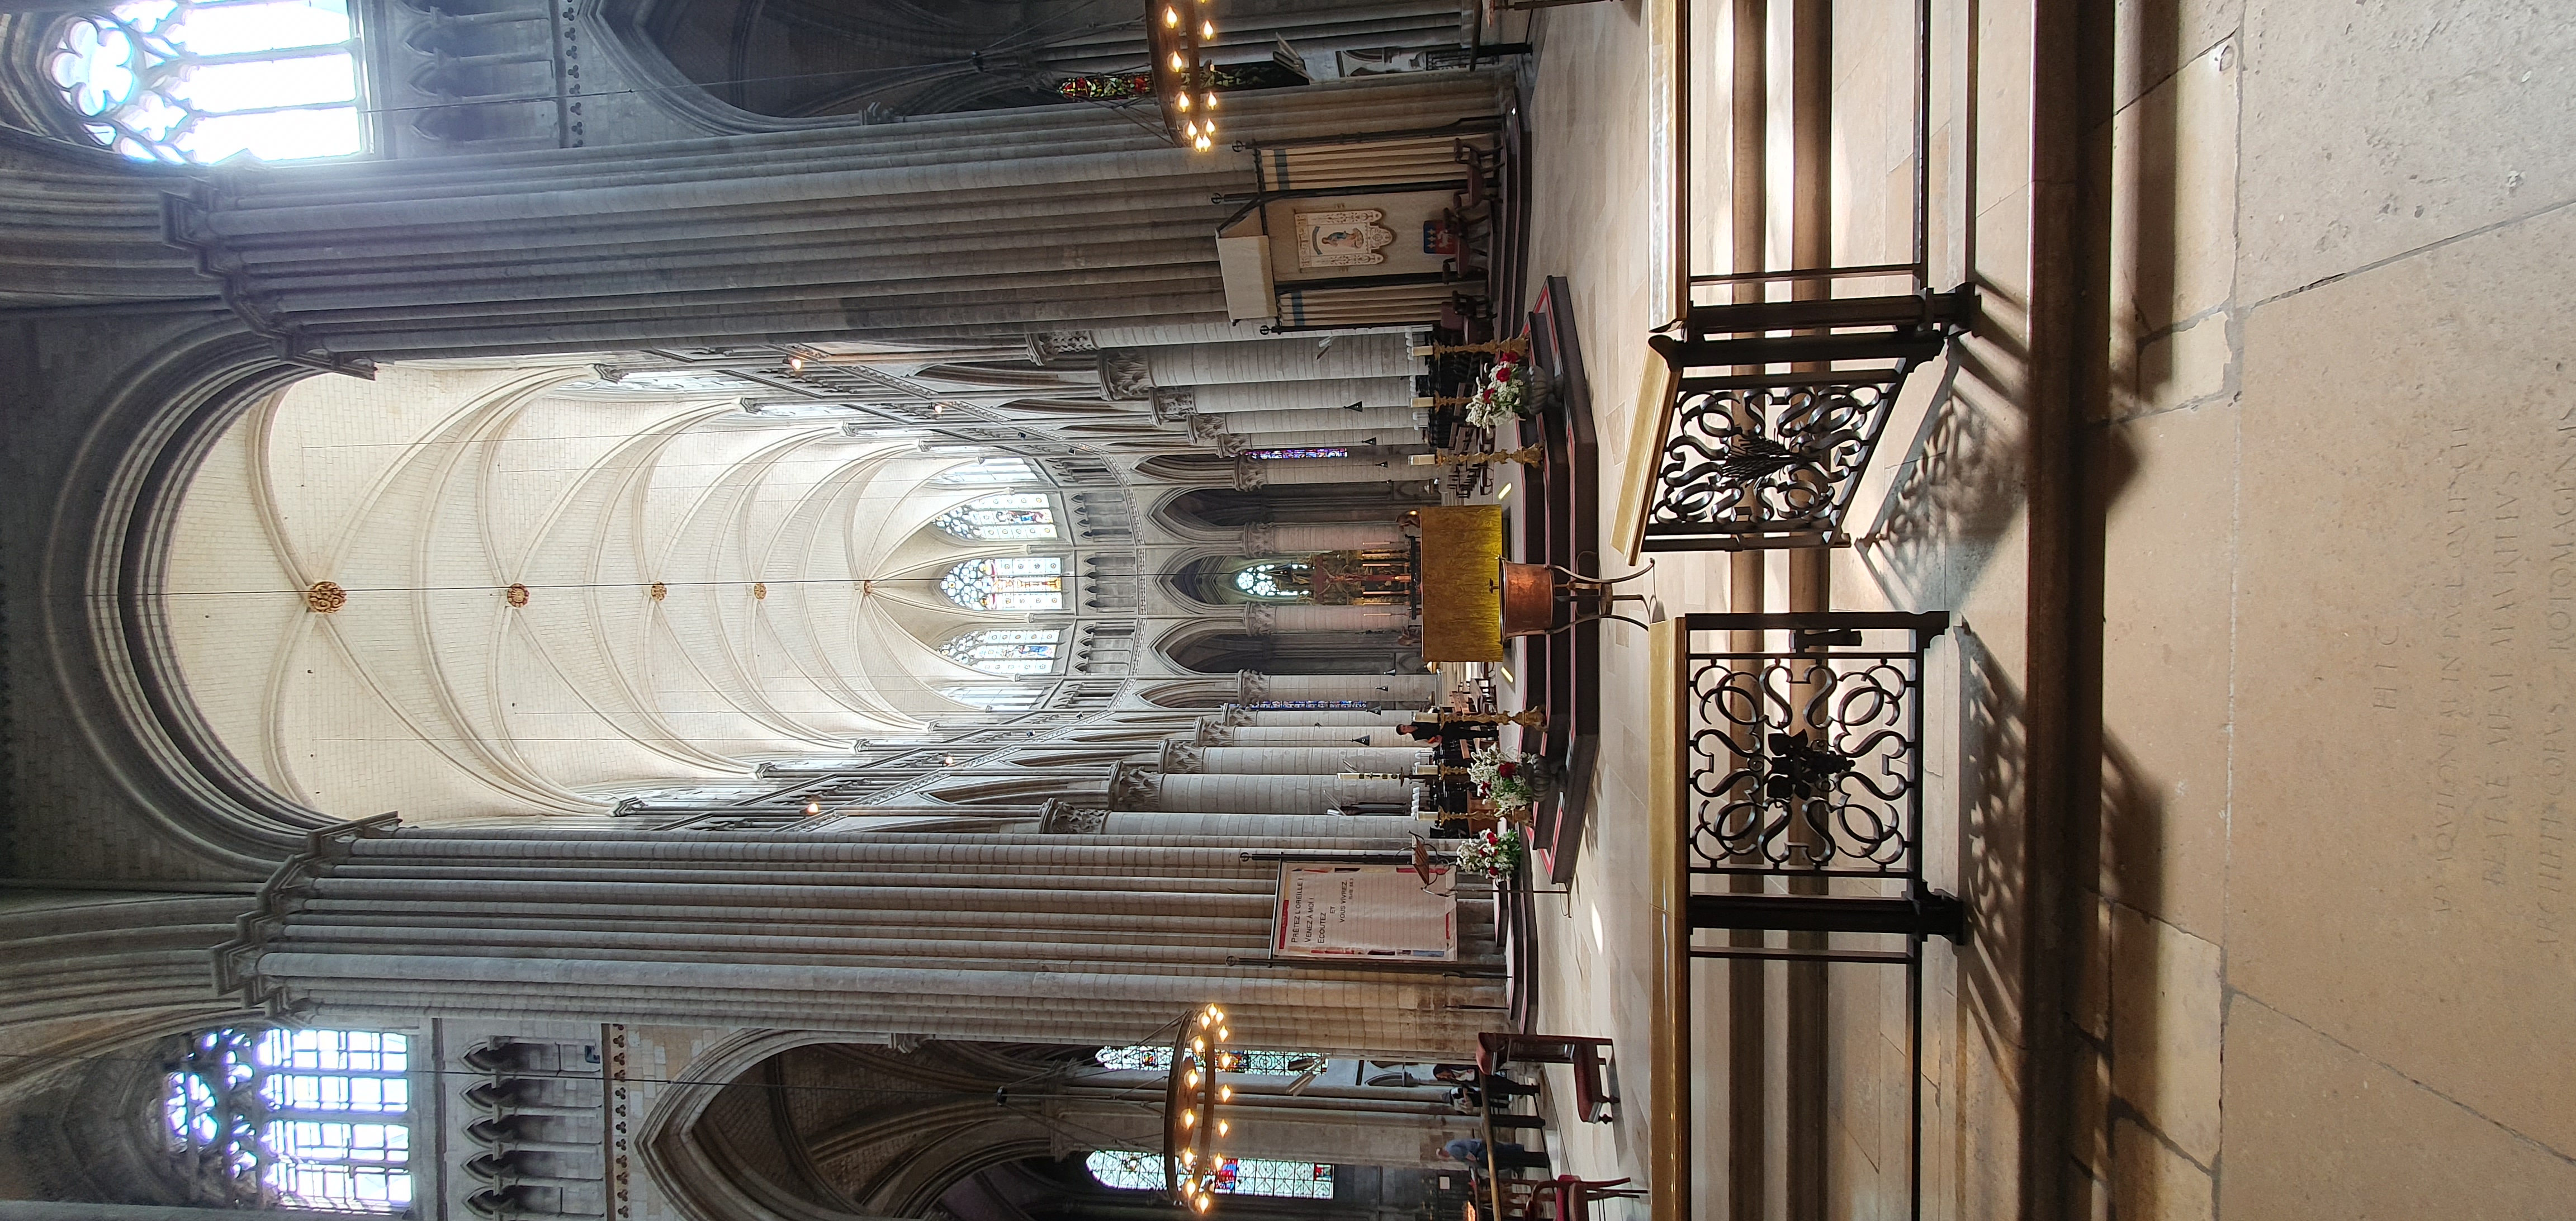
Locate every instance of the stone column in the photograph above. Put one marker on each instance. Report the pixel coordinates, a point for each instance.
(1306, 760)
(1252, 717)
(1322, 394)
(1264, 794)
(1293, 420)
(998, 222)
(1331, 536)
(1006, 937)
(1253, 473)
(1261, 826)
(1314, 735)
(1413, 690)
(1308, 617)
(1271, 362)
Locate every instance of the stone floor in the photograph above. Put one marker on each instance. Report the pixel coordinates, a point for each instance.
(2333, 453)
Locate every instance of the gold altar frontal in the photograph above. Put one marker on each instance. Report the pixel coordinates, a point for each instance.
(1462, 592)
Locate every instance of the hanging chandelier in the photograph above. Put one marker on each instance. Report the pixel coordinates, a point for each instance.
(1191, 1094)
(1178, 31)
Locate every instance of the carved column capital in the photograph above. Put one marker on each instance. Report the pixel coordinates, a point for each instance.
(1248, 474)
(1214, 731)
(1180, 758)
(1133, 783)
(1125, 376)
(1047, 347)
(1261, 538)
(1261, 619)
(1172, 406)
(1058, 817)
(1252, 686)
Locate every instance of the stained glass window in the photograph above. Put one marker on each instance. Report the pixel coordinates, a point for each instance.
(198, 81)
(990, 470)
(1312, 452)
(1256, 1063)
(1247, 1176)
(1007, 650)
(1032, 582)
(1000, 517)
(1277, 579)
(297, 1118)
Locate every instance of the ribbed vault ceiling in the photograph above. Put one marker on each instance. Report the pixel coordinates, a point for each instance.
(798, 605)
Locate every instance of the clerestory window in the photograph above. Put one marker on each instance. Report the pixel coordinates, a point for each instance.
(294, 1118)
(1008, 650)
(1023, 583)
(1001, 517)
(198, 81)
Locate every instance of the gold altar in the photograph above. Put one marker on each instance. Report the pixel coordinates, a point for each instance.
(1462, 596)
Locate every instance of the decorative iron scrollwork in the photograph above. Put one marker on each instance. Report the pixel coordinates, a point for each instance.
(1769, 461)
(1805, 763)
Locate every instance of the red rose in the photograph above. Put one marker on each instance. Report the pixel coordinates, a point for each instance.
(1507, 769)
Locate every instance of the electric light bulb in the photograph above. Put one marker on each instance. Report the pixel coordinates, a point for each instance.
(1171, 17)
(1198, 1044)
(1190, 129)
(1182, 100)
(1207, 31)
(1192, 1080)
(1222, 1127)
(1189, 1119)
(813, 807)
(1204, 144)
(1176, 61)
(1225, 1093)
(1222, 1034)
(1200, 1203)
(1211, 101)
(1189, 1157)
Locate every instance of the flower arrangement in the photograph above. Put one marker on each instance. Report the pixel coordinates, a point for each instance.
(1507, 778)
(1491, 853)
(1108, 87)
(1502, 395)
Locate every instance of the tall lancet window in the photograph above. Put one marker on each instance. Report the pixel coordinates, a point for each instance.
(1243, 1176)
(1005, 650)
(1282, 580)
(1001, 517)
(185, 81)
(295, 1118)
(1031, 582)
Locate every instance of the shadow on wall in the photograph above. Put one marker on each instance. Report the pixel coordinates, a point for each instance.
(1993, 859)
(1954, 497)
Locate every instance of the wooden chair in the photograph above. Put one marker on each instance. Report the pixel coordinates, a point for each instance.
(1593, 1099)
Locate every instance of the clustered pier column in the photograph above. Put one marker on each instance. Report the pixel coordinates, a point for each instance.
(1001, 223)
(1009, 937)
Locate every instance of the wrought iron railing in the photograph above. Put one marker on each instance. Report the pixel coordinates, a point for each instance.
(1788, 807)
(1763, 459)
